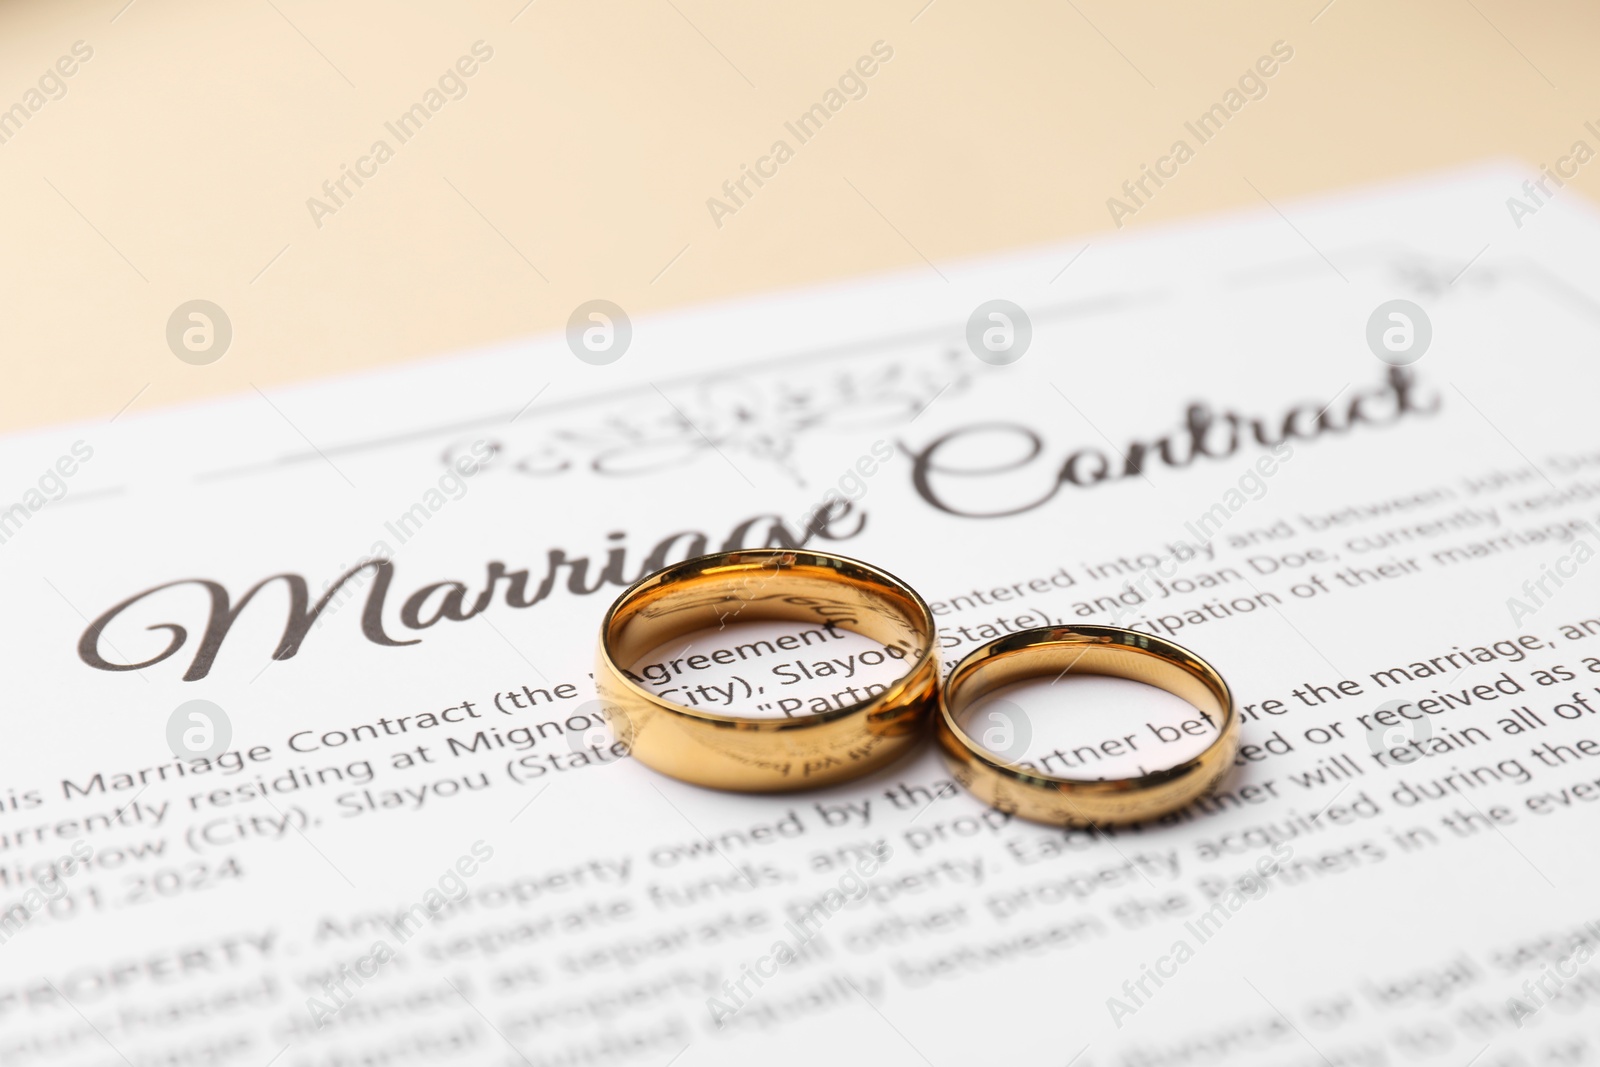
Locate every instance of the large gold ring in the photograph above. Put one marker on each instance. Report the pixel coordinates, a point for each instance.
(767, 755)
(1022, 790)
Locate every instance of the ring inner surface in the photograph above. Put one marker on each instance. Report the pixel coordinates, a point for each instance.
(723, 597)
(1180, 677)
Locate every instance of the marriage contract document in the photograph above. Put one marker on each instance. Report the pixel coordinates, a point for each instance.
(303, 763)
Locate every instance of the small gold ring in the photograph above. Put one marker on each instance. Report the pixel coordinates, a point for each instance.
(768, 755)
(1022, 790)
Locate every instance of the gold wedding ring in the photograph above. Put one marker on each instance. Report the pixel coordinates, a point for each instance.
(767, 755)
(1107, 650)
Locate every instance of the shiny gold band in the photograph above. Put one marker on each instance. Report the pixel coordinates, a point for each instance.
(1107, 650)
(767, 755)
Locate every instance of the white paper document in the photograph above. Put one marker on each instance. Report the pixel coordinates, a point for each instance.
(303, 763)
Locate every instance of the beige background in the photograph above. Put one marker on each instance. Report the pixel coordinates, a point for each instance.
(180, 160)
